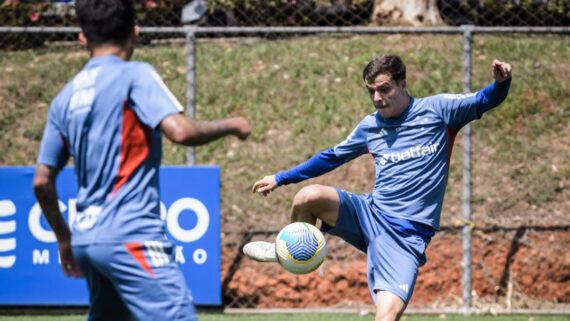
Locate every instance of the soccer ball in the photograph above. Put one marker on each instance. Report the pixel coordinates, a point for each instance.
(300, 247)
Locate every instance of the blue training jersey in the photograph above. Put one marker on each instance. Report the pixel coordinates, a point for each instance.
(411, 153)
(106, 118)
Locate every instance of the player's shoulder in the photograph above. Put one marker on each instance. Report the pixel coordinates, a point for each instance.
(140, 67)
(63, 96)
(446, 96)
(446, 100)
(442, 99)
(427, 101)
(143, 72)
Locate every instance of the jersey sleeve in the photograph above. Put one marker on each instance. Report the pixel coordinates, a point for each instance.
(53, 149)
(149, 97)
(456, 110)
(354, 145)
(317, 165)
(492, 95)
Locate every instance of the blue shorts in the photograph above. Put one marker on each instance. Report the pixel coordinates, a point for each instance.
(393, 257)
(137, 280)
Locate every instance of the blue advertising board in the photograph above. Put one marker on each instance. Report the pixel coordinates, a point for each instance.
(30, 272)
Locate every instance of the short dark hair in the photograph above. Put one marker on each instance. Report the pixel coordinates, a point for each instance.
(106, 21)
(391, 65)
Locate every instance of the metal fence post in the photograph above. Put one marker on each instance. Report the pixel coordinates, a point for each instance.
(191, 86)
(467, 56)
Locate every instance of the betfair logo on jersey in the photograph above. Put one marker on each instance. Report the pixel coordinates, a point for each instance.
(414, 152)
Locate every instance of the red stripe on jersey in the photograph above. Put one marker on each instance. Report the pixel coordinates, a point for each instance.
(452, 133)
(137, 251)
(135, 145)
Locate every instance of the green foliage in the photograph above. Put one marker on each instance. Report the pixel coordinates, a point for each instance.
(41, 13)
(31, 13)
(294, 13)
(44, 13)
(514, 13)
(159, 13)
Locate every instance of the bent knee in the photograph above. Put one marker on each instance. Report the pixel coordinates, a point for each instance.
(316, 202)
(309, 195)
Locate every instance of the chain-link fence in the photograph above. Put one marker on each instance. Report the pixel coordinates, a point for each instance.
(340, 282)
(508, 225)
(304, 12)
(282, 79)
(262, 13)
(513, 272)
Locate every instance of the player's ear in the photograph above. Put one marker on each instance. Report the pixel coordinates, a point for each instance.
(136, 31)
(82, 39)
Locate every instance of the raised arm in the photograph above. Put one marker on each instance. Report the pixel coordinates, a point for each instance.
(185, 131)
(495, 93)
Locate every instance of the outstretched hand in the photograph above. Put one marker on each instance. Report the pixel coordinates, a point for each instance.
(501, 70)
(265, 186)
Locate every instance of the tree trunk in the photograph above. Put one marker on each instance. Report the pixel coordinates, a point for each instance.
(407, 12)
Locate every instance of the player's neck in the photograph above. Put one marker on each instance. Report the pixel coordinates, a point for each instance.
(405, 103)
(108, 50)
(408, 100)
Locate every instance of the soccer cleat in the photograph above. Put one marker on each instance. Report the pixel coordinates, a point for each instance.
(260, 251)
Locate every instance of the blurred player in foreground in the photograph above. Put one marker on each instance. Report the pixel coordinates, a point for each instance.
(110, 119)
(411, 141)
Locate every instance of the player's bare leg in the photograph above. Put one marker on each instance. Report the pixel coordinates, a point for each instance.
(316, 202)
(322, 202)
(389, 307)
(310, 203)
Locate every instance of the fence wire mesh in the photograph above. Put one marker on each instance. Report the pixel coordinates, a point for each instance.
(311, 95)
(248, 284)
(263, 13)
(283, 79)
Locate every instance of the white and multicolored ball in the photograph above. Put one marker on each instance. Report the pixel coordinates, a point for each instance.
(300, 247)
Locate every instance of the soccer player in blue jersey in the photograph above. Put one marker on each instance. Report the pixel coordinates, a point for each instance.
(411, 140)
(110, 118)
